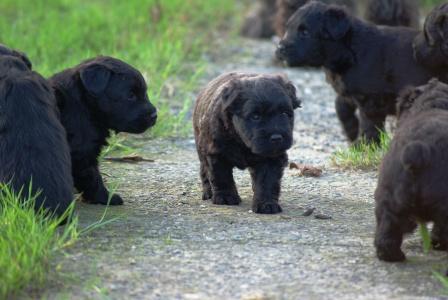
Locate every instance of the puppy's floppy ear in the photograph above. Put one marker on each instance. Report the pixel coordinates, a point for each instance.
(291, 91)
(230, 94)
(95, 78)
(24, 58)
(407, 98)
(337, 23)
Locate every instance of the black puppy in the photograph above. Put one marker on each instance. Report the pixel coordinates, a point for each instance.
(393, 12)
(11, 52)
(412, 182)
(99, 95)
(286, 8)
(431, 45)
(244, 121)
(33, 148)
(370, 64)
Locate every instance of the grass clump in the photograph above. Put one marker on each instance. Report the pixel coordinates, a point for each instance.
(363, 155)
(28, 241)
(164, 39)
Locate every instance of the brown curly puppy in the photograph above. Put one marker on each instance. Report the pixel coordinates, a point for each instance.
(244, 121)
(412, 182)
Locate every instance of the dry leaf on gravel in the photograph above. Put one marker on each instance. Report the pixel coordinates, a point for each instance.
(305, 170)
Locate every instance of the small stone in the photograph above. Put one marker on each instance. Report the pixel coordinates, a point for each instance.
(309, 212)
(322, 217)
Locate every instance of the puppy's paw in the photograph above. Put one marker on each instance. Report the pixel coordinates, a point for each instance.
(267, 208)
(390, 255)
(224, 198)
(116, 200)
(207, 194)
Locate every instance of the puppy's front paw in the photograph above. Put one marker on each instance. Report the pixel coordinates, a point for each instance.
(390, 255)
(267, 208)
(224, 198)
(207, 194)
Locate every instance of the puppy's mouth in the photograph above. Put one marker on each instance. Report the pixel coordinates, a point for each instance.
(143, 123)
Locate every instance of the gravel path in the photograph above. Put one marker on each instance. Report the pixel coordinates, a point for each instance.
(169, 244)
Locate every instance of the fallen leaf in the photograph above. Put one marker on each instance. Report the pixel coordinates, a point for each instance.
(305, 170)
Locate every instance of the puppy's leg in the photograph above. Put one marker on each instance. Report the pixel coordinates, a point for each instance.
(206, 187)
(90, 183)
(220, 175)
(266, 181)
(371, 126)
(389, 233)
(439, 234)
(346, 112)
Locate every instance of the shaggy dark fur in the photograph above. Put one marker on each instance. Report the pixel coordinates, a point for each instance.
(412, 183)
(11, 52)
(244, 121)
(393, 12)
(94, 97)
(259, 23)
(431, 45)
(286, 8)
(33, 146)
(370, 64)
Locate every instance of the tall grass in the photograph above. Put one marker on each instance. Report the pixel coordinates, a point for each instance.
(164, 39)
(362, 156)
(28, 241)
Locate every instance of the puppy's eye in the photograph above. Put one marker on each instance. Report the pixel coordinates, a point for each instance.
(287, 113)
(132, 97)
(303, 31)
(255, 117)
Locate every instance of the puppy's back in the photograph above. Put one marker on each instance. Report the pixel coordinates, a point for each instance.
(393, 12)
(34, 146)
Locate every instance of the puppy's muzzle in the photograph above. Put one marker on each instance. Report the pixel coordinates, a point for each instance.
(281, 51)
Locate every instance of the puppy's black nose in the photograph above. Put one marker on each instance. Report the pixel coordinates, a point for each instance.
(276, 138)
(153, 115)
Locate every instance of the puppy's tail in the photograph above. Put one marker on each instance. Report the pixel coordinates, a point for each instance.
(416, 156)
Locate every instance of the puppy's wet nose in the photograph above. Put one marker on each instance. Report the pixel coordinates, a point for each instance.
(276, 138)
(280, 52)
(153, 115)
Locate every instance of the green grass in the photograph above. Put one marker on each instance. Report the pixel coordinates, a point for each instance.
(362, 156)
(28, 242)
(165, 39)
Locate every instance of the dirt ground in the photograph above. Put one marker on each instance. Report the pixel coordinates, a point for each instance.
(169, 244)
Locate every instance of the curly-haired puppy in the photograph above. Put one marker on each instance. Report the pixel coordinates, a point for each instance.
(368, 63)
(99, 95)
(431, 45)
(286, 8)
(412, 182)
(244, 121)
(33, 148)
(259, 23)
(393, 12)
(11, 52)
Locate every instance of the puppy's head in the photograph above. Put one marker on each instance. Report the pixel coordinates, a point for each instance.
(260, 109)
(313, 31)
(119, 93)
(5, 51)
(431, 46)
(433, 95)
(10, 64)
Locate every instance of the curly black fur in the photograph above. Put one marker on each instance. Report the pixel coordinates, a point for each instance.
(99, 95)
(244, 121)
(11, 52)
(411, 184)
